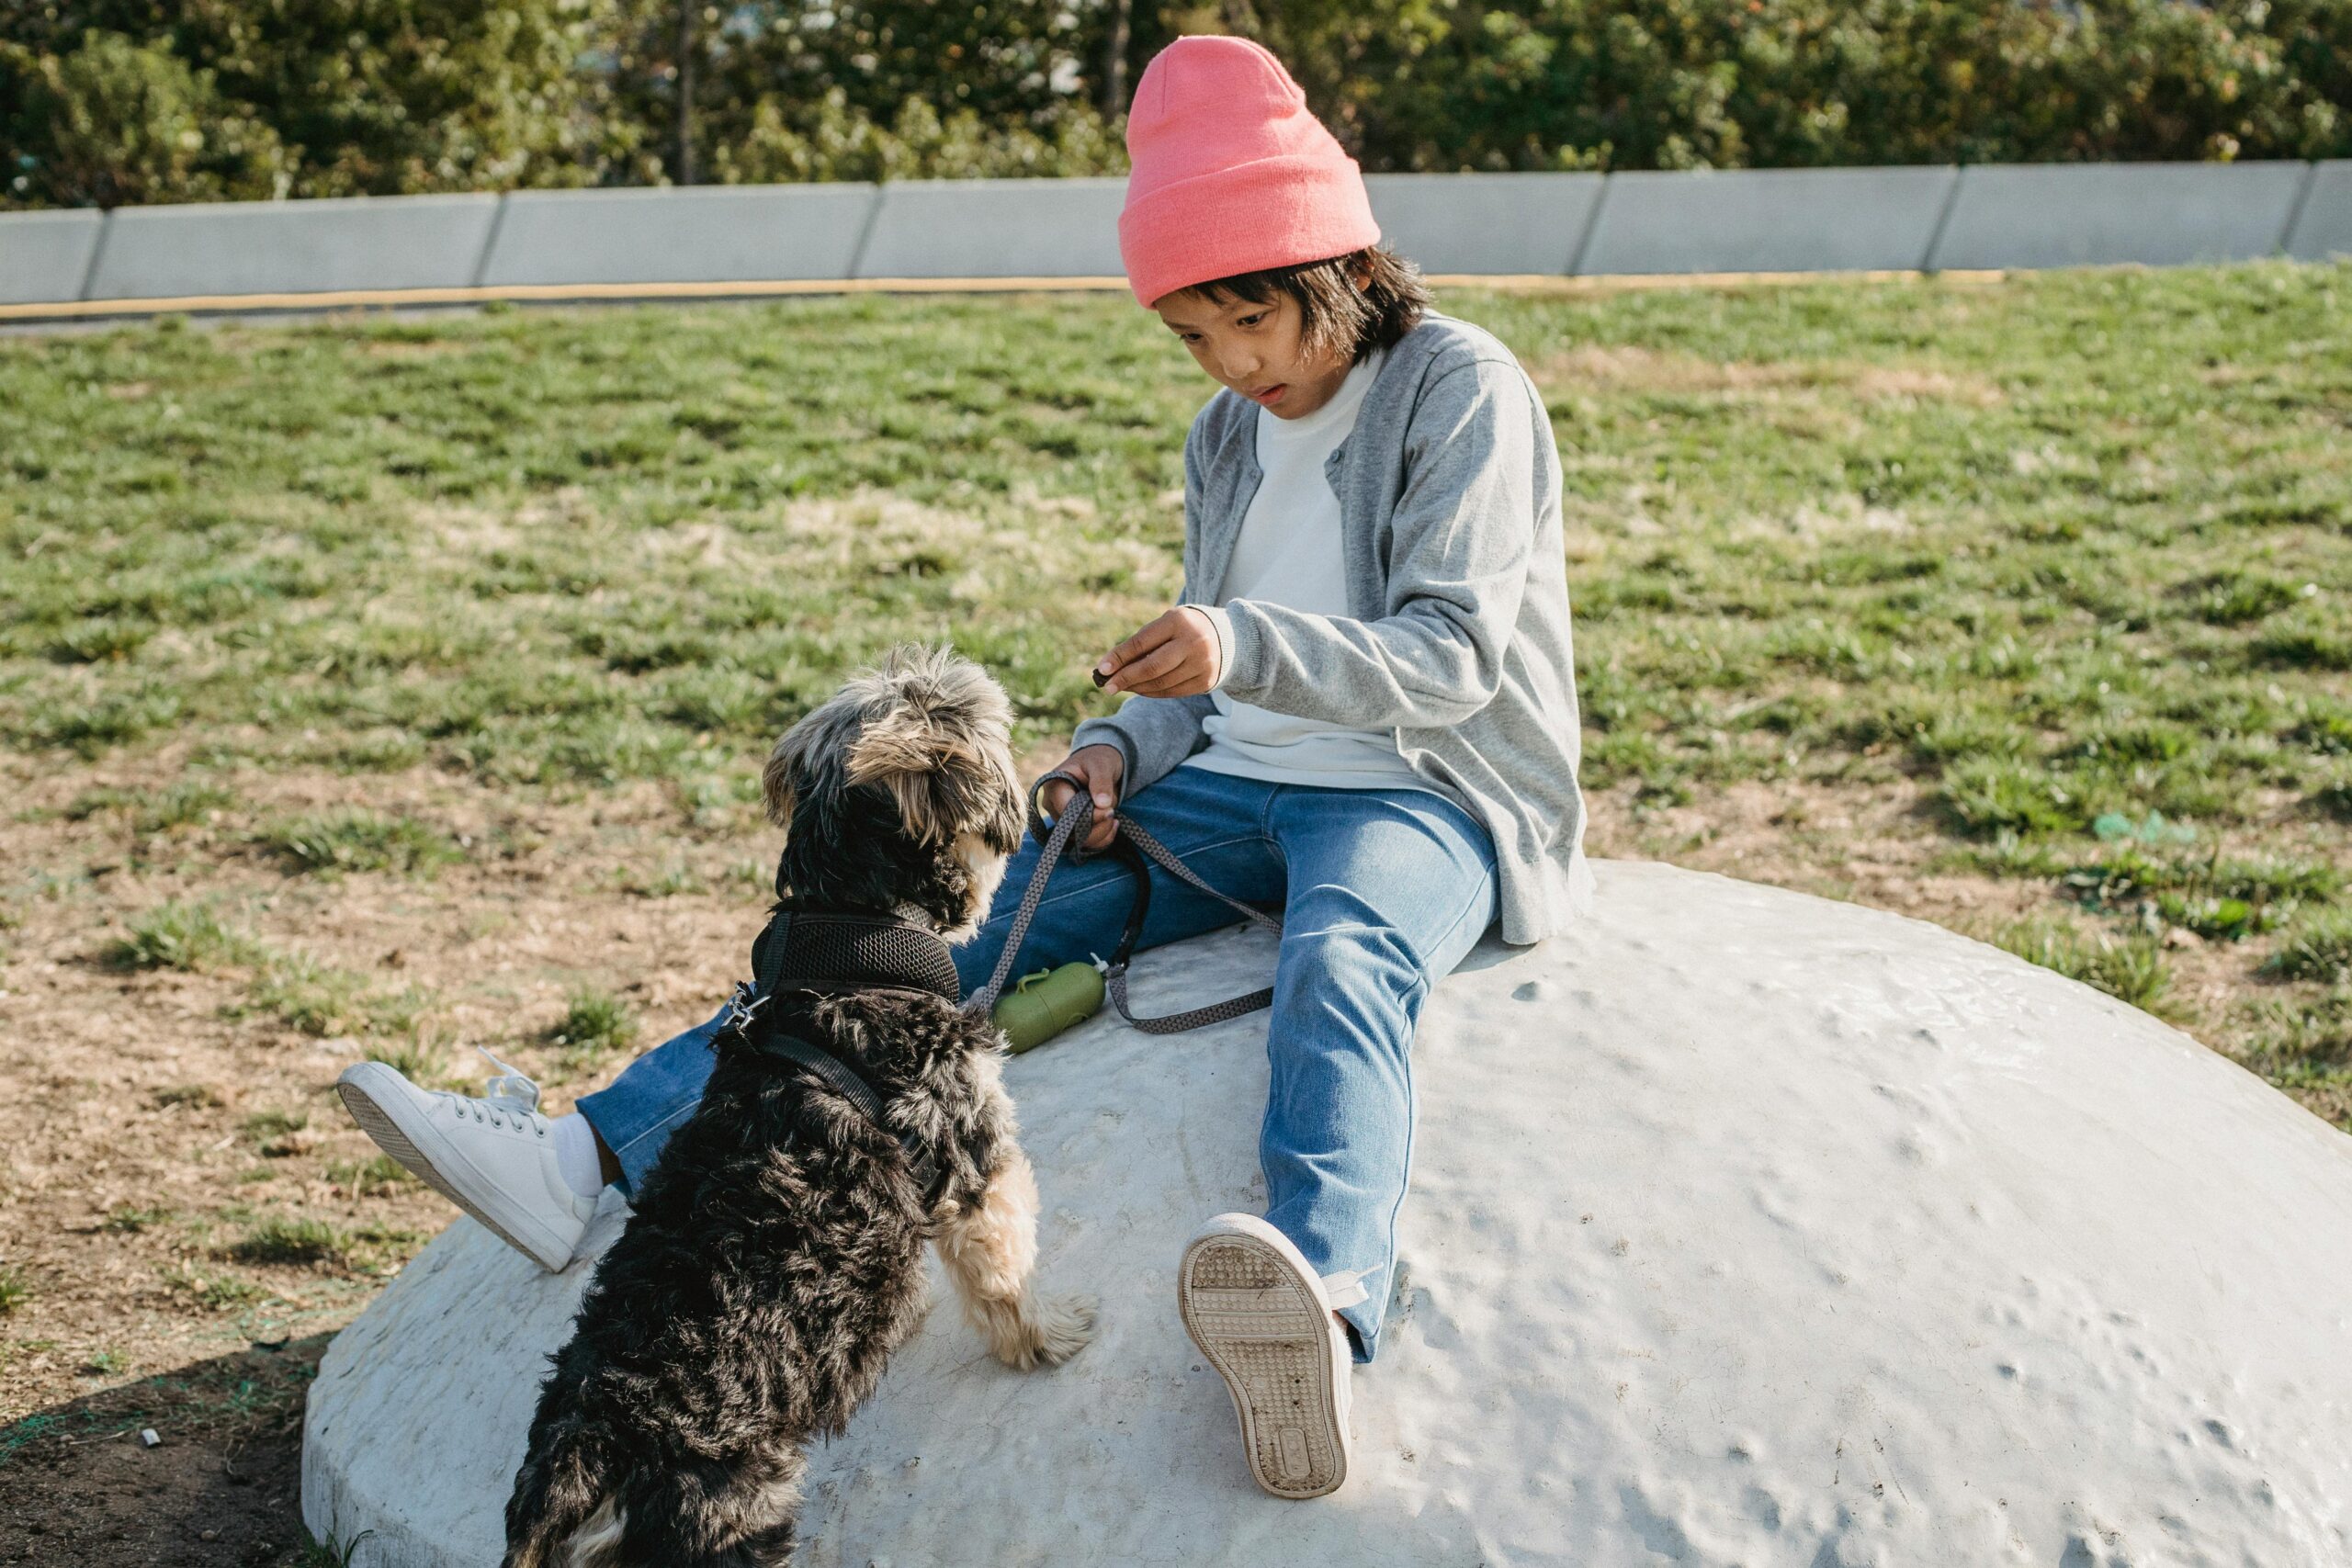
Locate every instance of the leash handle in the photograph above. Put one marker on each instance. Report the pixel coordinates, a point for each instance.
(1116, 977)
(1131, 843)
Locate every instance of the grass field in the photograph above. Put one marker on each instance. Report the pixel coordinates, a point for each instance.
(383, 686)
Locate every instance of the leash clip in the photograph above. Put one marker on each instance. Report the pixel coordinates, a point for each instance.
(742, 1006)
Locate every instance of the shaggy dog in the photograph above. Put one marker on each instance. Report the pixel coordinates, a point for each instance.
(774, 1256)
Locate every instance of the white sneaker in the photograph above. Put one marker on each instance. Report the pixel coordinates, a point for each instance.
(1256, 1310)
(493, 1158)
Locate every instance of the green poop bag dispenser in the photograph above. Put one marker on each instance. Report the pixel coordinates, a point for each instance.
(1042, 1005)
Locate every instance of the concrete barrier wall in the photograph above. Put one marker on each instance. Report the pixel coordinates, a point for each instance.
(46, 255)
(1046, 227)
(2086, 214)
(1473, 224)
(1768, 220)
(1484, 223)
(2323, 227)
(293, 247)
(706, 234)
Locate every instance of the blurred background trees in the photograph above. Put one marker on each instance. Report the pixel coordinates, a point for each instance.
(104, 102)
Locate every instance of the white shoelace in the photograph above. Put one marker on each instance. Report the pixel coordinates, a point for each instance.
(511, 1093)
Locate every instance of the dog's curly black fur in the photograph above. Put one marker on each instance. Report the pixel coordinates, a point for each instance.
(773, 1260)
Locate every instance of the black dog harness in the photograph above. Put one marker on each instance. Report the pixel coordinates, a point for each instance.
(832, 952)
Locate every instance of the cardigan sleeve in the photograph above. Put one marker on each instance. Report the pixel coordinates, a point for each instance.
(1461, 539)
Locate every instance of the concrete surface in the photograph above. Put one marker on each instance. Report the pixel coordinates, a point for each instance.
(45, 255)
(1768, 220)
(1746, 1227)
(2100, 214)
(293, 247)
(1042, 227)
(704, 234)
(1484, 223)
(2323, 228)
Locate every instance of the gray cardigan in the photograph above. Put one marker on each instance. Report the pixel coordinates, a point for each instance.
(1457, 642)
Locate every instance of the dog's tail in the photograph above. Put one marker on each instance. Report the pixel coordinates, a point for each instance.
(566, 1510)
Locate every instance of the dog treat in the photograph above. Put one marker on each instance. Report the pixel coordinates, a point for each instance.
(1042, 1005)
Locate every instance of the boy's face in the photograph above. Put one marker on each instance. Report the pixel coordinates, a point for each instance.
(1255, 350)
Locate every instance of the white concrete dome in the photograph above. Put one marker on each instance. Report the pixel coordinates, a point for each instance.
(1747, 1228)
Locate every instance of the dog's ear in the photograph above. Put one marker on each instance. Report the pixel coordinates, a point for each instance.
(937, 736)
(778, 786)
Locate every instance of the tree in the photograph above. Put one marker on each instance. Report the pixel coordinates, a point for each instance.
(360, 97)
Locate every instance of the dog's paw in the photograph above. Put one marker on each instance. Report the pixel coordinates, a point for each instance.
(1063, 1325)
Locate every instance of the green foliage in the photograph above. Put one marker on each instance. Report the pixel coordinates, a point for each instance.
(254, 98)
(180, 935)
(320, 1000)
(135, 100)
(2319, 948)
(676, 878)
(418, 1056)
(1725, 84)
(332, 1552)
(114, 122)
(210, 1290)
(286, 1238)
(2215, 917)
(272, 1132)
(369, 1177)
(354, 839)
(2131, 969)
(825, 139)
(156, 811)
(302, 1239)
(1995, 797)
(16, 1289)
(595, 1026)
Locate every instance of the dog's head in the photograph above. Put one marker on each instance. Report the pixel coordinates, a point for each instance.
(901, 791)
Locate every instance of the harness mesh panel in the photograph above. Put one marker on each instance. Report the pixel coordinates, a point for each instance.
(828, 951)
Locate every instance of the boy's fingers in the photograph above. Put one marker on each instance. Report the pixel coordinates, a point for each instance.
(1183, 678)
(1153, 667)
(1152, 634)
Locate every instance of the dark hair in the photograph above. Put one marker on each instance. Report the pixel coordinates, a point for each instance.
(1337, 314)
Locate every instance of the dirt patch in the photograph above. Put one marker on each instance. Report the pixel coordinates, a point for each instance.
(220, 1489)
(186, 1112)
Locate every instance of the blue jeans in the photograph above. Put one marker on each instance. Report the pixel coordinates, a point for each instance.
(1381, 891)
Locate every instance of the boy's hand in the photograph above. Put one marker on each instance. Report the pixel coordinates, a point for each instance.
(1101, 767)
(1175, 656)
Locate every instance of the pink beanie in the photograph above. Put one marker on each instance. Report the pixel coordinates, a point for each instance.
(1231, 173)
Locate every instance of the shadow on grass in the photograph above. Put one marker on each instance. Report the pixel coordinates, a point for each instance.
(223, 1490)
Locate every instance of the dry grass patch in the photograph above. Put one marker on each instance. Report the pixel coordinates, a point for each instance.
(1627, 368)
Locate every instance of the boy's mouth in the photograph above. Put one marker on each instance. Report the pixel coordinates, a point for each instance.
(1272, 394)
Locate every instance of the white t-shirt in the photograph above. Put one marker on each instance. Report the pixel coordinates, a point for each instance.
(1289, 553)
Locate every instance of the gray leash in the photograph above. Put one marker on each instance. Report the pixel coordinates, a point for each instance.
(1130, 843)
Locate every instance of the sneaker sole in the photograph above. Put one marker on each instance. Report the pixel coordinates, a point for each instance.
(1263, 1327)
(379, 1124)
